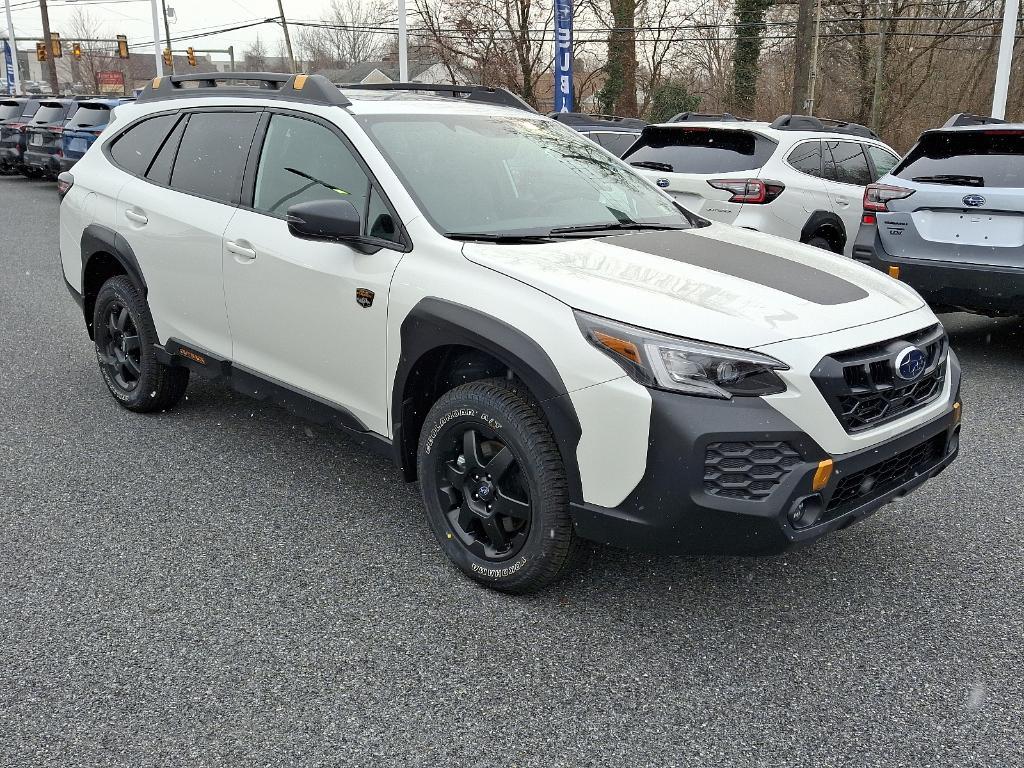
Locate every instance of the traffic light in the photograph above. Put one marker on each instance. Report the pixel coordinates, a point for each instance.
(76, 50)
(40, 51)
(191, 56)
(55, 45)
(122, 47)
(168, 57)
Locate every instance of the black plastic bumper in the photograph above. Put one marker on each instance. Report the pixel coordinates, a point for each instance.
(10, 156)
(670, 511)
(948, 285)
(43, 162)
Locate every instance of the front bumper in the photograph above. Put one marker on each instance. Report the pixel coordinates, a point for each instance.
(671, 511)
(948, 285)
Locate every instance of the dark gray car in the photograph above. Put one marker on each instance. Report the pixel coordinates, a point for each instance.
(949, 219)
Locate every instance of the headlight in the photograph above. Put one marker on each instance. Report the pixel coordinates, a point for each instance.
(680, 365)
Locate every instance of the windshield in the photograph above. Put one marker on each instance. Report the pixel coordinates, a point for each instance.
(513, 175)
(90, 115)
(992, 158)
(700, 150)
(9, 110)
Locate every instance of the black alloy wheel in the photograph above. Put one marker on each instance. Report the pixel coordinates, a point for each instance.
(484, 494)
(119, 347)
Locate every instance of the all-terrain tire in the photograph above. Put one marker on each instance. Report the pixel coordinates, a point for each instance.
(125, 341)
(498, 414)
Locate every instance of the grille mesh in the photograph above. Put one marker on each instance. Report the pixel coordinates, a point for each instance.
(747, 470)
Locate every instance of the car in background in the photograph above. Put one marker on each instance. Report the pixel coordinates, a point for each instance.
(949, 219)
(15, 112)
(799, 177)
(43, 137)
(84, 128)
(616, 134)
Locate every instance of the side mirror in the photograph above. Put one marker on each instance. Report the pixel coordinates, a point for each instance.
(325, 220)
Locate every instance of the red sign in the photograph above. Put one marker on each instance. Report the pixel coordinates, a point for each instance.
(110, 81)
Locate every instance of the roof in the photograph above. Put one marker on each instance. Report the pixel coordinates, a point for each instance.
(583, 121)
(788, 135)
(359, 72)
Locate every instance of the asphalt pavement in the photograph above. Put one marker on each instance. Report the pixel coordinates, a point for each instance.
(226, 585)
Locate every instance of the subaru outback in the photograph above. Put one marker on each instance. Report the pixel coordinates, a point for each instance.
(553, 347)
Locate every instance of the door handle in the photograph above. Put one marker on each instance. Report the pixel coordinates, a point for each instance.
(241, 251)
(842, 203)
(138, 218)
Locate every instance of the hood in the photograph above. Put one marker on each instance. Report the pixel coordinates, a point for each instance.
(717, 283)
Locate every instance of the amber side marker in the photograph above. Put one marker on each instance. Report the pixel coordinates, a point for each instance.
(156, 82)
(619, 346)
(822, 475)
(894, 272)
(958, 412)
(300, 82)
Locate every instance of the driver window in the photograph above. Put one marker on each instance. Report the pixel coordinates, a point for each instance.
(303, 161)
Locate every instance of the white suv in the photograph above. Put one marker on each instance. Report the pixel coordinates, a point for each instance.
(798, 177)
(550, 344)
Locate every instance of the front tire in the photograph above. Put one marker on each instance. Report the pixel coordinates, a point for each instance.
(125, 339)
(495, 488)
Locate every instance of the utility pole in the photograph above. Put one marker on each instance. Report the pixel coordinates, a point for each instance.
(51, 60)
(802, 62)
(403, 45)
(812, 87)
(1005, 58)
(876, 98)
(287, 36)
(167, 32)
(156, 40)
(14, 49)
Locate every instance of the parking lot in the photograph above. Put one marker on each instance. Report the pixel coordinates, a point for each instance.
(226, 585)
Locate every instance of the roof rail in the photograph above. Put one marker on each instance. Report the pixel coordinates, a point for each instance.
(966, 118)
(809, 123)
(585, 118)
(266, 85)
(480, 93)
(707, 117)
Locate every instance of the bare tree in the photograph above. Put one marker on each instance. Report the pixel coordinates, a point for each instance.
(95, 56)
(350, 33)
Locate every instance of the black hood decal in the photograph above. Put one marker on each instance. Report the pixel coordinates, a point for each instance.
(792, 277)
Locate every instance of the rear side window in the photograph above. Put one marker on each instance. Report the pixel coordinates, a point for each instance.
(9, 110)
(50, 114)
(806, 158)
(702, 150)
(212, 154)
(89, 116)
(990, 158)
(133, 150)
(882, 160)
(846, 163)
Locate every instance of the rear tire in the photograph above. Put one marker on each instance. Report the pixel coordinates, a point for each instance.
(819, 241)
(495, 488)
(126, 339)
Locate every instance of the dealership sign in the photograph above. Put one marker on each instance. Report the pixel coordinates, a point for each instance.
(563, 56)
(8, 67)
(110, 81)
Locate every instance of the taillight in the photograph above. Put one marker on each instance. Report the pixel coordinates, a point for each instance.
(754, 191)
(64, 184)
(877, 196)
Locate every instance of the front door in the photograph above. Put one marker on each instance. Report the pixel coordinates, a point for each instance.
(311, 314)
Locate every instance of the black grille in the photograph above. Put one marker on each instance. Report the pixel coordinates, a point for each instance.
(882, 477)
(748, 470)
(863, 390)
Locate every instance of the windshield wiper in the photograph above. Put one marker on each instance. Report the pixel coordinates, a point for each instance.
(957, 179)
(653, 165)
(496, 237)
(614, 226)
(315, 180)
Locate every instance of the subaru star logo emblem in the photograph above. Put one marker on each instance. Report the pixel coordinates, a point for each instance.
(910, 363)
(974, 201)
(662, 183)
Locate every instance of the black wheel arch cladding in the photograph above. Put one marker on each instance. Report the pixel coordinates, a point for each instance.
(825, 224)
(102, 243)
(435, 324)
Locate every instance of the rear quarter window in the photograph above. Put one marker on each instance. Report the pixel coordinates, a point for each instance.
(989, 158)
(134, 149)
(702, 150)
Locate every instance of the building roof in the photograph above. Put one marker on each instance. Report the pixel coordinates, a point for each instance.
(357, 73)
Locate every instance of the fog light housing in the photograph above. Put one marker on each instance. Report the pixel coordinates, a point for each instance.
(806, 511)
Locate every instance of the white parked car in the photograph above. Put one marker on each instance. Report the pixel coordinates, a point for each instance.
(552, 346)
(798, 177)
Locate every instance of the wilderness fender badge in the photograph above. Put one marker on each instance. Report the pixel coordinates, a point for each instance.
(364, 297)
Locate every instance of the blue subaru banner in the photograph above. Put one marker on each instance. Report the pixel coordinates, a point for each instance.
(8, 67)
(563, 56)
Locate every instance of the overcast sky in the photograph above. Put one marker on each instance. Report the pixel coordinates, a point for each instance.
(134, 19)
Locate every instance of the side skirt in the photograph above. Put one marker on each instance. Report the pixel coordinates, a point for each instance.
(303, 404)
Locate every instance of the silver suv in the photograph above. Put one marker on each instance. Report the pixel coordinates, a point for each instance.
(949, 219)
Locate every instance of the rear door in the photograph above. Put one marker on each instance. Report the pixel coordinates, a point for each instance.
(174, 215)
(682, 160)
(967, 204)
(846, 172)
